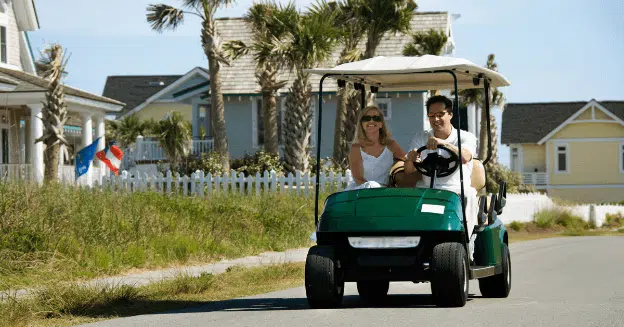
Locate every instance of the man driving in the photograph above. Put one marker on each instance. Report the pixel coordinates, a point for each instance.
(442, 132)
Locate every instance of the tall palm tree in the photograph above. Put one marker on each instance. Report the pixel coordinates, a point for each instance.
(430, 42)
(379, 17)
(265, 21)
(162, 17)
(54, 113)
(311, 40)
(476, 97)
(174, 136)
(351, 30)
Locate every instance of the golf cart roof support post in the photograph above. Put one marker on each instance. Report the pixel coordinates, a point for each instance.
(459, 157)
(318, 148)
(486, 86)
(363, 104)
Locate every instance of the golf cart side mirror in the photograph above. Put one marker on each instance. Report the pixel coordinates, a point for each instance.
(482, 216)
(491, 212)
(501, 200)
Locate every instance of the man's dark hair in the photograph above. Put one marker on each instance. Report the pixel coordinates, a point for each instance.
(448, 104)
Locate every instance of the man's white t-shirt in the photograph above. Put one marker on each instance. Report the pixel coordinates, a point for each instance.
(450, 182)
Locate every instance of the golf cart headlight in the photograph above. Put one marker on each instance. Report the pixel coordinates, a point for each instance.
(384, 242)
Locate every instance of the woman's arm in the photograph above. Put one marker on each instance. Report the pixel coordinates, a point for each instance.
(397, 151)
(355, 164)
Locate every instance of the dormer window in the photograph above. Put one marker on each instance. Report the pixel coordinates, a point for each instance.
(4, 22)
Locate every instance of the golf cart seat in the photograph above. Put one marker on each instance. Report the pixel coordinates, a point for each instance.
(399, 179)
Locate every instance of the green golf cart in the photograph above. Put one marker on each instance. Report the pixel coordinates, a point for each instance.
(376, 236)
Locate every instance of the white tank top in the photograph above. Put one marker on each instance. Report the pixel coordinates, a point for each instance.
(377, 168)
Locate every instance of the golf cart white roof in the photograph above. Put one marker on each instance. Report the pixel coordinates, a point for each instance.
(392, 73)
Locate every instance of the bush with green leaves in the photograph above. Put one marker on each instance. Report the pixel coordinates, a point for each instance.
(497, 173)
(208, 162)
(560, 216)
(258, 163)
(613, 220)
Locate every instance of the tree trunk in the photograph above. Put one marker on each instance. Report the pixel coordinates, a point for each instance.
(216, 97)
(298, 119)
(353, 110)
(269, 110)
(51, 159)
(494, 159)
(483, 141)
(340, 141)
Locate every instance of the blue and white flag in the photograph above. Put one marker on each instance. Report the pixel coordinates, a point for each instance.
(84, 157)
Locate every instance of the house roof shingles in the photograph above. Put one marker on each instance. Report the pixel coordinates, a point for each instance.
(239, 78)
(530, 122)
(31, 83)
(133, 90)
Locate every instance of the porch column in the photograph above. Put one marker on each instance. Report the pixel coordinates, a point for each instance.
(36, 131)
(100, 132)
(195, 120)
(471, 119)
(14, 136)
(22, 142)
(87, 138)
(207, 120)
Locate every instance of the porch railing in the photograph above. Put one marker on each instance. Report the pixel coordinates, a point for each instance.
(537, 179)
(150, 150)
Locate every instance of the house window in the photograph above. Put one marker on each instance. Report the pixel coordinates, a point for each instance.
(562, 158)
(4, 146)
(622, 158)
(385, 105)
(514, 159)
(259, 123)
(3, 45)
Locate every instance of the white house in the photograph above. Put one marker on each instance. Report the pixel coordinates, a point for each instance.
(21, 95)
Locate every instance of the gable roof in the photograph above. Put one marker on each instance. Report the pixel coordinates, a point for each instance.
(164, 89)
(238, 78)
(31, 83)
(133, 90)
(532, 122)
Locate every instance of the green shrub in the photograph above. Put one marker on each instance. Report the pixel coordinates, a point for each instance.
(516, 226)
(209, 162)
(327, 165)
(615, 220)
(497, 173)
(559, 216)
(258, 163)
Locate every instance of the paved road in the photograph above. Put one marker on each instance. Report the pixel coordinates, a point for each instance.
(555, 282)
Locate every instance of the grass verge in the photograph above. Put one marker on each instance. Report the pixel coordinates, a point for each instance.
(66, 306)
(55, 233)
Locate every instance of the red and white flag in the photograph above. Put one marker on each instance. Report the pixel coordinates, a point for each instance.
(111, 156)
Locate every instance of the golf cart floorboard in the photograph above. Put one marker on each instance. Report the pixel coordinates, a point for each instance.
(477, 272)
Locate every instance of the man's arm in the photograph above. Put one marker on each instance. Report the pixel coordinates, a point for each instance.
(468, 147)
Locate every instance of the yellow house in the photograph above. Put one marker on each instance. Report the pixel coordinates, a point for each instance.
(572, 150)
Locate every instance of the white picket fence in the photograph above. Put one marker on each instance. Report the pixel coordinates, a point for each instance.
(201, 184)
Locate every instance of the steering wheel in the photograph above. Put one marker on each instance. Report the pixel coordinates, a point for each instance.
(444, 166)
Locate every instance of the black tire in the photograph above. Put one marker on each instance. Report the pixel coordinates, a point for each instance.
(373, 291)
(449, 275)
(323, 279)
(498, 286)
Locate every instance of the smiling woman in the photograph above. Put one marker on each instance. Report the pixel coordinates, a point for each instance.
(373, 151)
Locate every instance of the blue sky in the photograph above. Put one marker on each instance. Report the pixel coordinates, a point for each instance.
(552, 50)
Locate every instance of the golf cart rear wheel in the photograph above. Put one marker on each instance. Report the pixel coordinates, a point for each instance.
(323, 279)
(498, 286)
(373, 291)
(449, 275)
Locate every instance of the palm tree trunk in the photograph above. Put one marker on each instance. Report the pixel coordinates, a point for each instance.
(483, 141)
(51, 159)
(216, 97)
(298, 124)
(269, 109)
(494, 159)
(339, 128)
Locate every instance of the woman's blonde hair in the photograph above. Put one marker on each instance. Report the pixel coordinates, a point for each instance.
(384, 133)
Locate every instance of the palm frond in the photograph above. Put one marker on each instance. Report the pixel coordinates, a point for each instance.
(235, 49)
(164, 17)
(430, 42)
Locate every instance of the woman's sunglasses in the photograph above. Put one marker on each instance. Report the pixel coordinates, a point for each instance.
(369, 118)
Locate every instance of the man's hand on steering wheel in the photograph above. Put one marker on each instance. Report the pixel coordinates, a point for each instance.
(433, 142)
(434, 161)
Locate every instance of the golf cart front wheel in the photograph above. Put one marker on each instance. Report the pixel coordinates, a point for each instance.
(498, 286)
(449, 275)
(323, 279)
(373, 291)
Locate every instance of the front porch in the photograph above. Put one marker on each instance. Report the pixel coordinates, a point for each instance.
(538, 179)
(21, 124)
